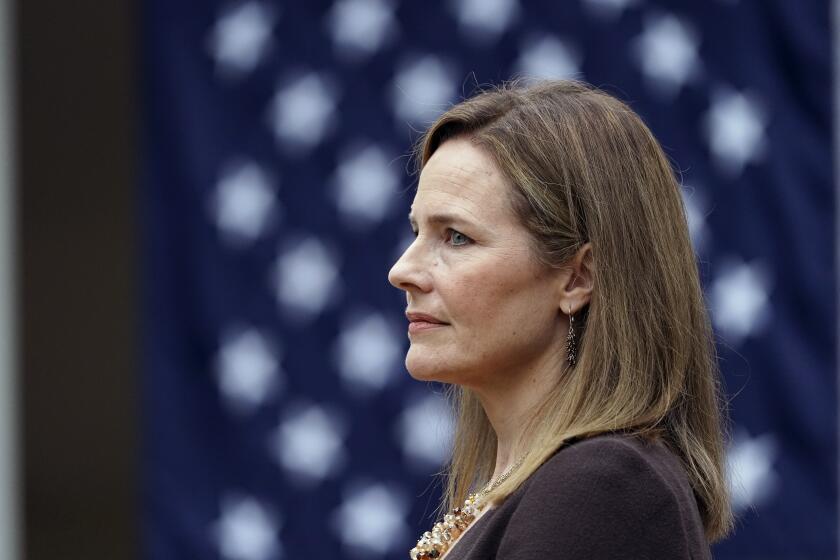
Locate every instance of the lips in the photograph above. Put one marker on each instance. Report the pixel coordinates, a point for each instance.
(416, 317)
(423, 321)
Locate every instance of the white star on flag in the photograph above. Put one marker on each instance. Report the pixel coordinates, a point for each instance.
(548, 57)
(422, 90)
(308, 444)
(739, 299)
(244, 203)
(484, 20)
(359, 28)
(247, 369)
(424, 431)
(735, 127)
(365, 186)
(241, 38)
(371, 520)
(247, 530)
(305, 279)
(303, 112)
(367, 352)
(667, 53)
(749, 463)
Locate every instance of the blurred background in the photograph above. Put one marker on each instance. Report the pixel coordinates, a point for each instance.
(200, 355)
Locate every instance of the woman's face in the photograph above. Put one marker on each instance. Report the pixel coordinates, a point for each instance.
(472, 268)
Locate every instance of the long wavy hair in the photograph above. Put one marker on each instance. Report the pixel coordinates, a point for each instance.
(584, 167)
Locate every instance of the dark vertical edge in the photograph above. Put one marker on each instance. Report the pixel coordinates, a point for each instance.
(76, 276)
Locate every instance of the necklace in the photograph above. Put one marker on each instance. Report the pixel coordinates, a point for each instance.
(437, 541)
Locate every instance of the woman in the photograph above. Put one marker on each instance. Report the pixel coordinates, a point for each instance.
(552, 284)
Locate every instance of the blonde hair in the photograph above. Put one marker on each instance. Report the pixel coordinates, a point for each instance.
(586, 168)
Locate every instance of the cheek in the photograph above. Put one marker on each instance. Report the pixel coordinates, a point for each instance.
(472, 292)
(479, 298)
(500, 310)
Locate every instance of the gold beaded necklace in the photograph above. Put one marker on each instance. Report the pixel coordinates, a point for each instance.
(437, 541)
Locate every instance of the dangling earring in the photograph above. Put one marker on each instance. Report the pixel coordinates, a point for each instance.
(571, 344)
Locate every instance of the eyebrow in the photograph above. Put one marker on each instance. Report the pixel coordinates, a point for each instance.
(440, 219)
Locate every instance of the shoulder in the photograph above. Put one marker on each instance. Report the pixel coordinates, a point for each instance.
(609, 463)
(607, 496)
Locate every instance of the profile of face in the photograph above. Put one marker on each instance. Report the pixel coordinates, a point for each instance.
(472, 268)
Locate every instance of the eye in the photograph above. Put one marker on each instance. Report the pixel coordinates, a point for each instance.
(457, 238)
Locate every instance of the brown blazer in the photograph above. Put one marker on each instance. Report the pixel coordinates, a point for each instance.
(606, 497)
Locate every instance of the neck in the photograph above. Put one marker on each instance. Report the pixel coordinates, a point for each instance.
(509, 406)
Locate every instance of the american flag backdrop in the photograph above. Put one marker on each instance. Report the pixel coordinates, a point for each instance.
(278, 418)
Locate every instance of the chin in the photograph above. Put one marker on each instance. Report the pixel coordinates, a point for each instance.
(422, 368)
(421, 372)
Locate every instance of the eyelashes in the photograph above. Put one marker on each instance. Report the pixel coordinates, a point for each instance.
(454, 234)
(454, 237)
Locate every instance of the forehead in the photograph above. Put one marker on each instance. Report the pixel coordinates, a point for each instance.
(461, 177)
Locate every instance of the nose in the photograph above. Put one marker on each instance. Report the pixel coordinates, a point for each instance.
(409, 273)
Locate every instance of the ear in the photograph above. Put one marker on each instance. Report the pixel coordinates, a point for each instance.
(575, 289)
